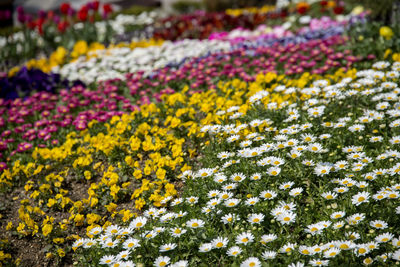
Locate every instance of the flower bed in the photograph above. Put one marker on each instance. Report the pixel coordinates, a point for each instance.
(77, 107)
(248, 148)
(104, 157)
(268, 172)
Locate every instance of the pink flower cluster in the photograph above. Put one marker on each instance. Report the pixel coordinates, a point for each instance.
(38, 117)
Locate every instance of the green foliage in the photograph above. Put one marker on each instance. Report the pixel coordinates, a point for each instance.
(9, 30)
(380, 10)
(187, 6)
(362, 35)
(133, 10)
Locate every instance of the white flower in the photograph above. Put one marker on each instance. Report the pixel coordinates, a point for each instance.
(131, 243)
(338, 215)
(95, 231)
(286, 217)
(355, 218)
(319, 262)
(396, 255)
(252, 201)
(378, 224)
(107, 259)
(167, 247)
(383, 238)
(297, 264)
(205, 247)
(268, 194)
(181, 263)
(360, 198)
(332, 252)
(229, 218)
(251, 262)
(234, 251)
(274, 171)
(192, 200)
(238, 177)
(356, 128)
(231, 202)
(256, 218)
(269, 255)
(322, 170)
(162, 261)
(268, 238)
(138, 222)
(244, 238)
(286, 185)
(176, 232)
(220, 242)
(195, 223)
(295, 191)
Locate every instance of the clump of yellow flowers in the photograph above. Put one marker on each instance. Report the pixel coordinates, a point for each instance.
(239, 11)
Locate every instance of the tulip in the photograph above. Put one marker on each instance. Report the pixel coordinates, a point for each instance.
(82, 13)
(65, 8)
(107, 9)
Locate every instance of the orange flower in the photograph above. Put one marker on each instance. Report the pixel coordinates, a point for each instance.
(302, 7)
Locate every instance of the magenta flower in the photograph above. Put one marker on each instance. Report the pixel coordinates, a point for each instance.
(3, 166)
(81, 125)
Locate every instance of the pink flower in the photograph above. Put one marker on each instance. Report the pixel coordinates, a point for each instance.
(80, 125)
(3, 166)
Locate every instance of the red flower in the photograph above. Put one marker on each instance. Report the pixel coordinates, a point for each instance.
(338, 10)
(284, 13)
(31, 24)
(92, 18)
(40, 25)
(302, 7)
(302, 10)
(83, 13)
(95, 5)
(324, 3)
(62, 26)
(50, 15)
(64, 8)
(107, 9)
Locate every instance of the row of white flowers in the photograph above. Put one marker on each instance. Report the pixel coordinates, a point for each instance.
(114, 63)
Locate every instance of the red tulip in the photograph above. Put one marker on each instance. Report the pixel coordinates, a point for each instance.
(62, 26)
(95, 5)
(40, 25)
(50, 15)
(92, 18)
(83, 13)
(64, 8)
(31, 24)
(107, 9)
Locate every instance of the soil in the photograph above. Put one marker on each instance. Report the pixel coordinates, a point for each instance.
(31, 251)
